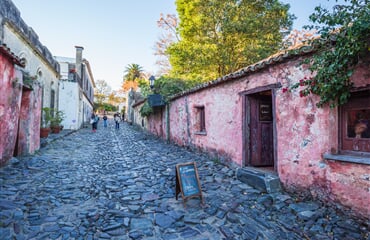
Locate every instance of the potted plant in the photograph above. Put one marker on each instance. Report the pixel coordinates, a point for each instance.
(56, 120)
(45, 122)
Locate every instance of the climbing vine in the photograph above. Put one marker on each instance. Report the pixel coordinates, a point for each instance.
(146, 110)
(345, 38)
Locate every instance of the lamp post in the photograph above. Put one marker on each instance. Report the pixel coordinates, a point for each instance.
(154, 99)
(151, 82)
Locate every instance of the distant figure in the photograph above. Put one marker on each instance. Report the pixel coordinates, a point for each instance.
(94, 122)
(117, 119)
(123, 116)
(105, 118)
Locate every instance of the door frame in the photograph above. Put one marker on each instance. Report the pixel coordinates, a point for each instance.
(246, 159)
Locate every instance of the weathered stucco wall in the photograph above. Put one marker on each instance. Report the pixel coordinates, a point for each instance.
(138, 119)
(223, 109)
(29, 121)
(35, 64)
(10, 101)
(303, 133)
(156, 123)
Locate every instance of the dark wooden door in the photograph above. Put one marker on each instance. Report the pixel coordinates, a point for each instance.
(261, 131)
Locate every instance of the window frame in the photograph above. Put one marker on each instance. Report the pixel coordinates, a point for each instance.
(357, 101)
(200, 120)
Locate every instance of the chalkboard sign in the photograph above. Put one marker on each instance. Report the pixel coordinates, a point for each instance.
(187, 181)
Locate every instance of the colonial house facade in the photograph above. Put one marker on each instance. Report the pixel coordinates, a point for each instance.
(76, 90)
(248, 120)
(26, 86)
(24, 42)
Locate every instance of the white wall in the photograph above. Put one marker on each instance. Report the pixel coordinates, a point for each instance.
(34, 64)
(69, 104)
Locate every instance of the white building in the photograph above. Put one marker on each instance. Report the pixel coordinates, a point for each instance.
(76, 90)
(24, 42)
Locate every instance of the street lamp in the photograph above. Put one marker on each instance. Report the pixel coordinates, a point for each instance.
(151, 82)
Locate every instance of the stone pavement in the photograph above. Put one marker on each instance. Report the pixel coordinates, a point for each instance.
(120, 184)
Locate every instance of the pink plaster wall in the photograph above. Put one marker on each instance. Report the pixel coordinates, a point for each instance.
(20, 113)
(10, 101)
(29, 125)
(156, 123)
(303, 133)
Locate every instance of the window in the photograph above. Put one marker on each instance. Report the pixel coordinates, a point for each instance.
(201, 122)
(355, 125)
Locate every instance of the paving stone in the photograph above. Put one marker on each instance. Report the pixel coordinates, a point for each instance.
(140, 223)
(227, 232)
(304, 206)
(189, 232)
(121, 185)
(164, 220)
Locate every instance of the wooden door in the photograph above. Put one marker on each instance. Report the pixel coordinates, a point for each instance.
(261, 131)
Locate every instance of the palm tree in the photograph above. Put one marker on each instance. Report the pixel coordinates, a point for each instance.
(133, 72)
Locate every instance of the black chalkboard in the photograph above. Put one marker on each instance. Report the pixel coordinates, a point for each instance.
(187, 181)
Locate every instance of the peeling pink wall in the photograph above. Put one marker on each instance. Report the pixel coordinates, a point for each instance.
(10, 101)
(156, 123)
(20, 113)
(223, 117)
(29, 125)
(303, 133)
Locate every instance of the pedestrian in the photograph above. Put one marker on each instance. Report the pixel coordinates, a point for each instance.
(123, 116)
(93, 121)
(105, 118)
(117, 119)
(96, 121)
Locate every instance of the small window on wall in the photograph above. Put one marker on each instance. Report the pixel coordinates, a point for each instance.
(201, 122)
(355, 125)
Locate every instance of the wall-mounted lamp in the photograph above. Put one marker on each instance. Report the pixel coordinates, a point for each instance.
(151, 82)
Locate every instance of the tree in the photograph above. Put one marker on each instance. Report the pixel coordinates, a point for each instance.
(344, 37)
(296, 37)
(169, 24)
(102, 90)
(219, 37)
(128, 84)
(133, 72)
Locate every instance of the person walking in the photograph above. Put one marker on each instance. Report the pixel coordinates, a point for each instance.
(105, 118)
(117, 119)
(93, 121)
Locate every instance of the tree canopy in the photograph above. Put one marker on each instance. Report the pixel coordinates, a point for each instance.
(218, 37)
(102, 90)
(133, 72)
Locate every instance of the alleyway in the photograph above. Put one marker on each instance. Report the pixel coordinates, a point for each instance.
(120, 184)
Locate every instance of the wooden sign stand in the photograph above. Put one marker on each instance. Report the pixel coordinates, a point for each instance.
(187, 181)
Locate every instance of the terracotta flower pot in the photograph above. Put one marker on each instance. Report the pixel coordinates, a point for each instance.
(55, 129)
(44, 132)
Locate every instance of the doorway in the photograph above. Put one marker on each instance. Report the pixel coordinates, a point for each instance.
(259, 134)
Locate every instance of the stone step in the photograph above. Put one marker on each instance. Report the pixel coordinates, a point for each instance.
(260, 179)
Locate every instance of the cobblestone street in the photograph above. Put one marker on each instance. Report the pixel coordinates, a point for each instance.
(120, 184)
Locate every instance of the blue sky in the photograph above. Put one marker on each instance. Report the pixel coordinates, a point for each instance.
(114, 33)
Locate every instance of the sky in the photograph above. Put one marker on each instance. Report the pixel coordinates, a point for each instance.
(114, 33)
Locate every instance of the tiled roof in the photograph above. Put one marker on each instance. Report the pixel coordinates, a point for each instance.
(7, 52)
(139, 102)
(276, 58)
